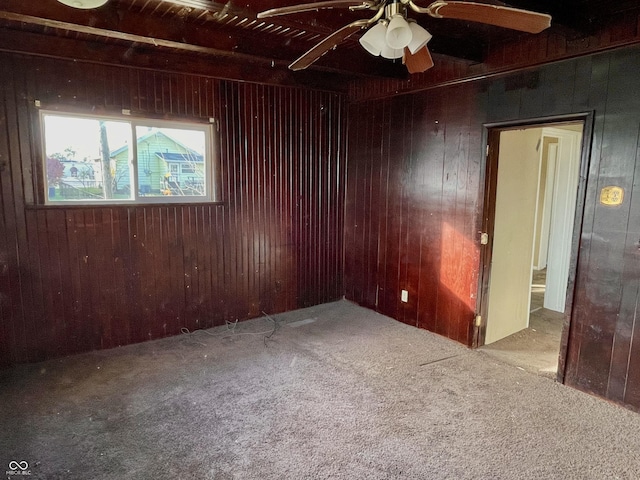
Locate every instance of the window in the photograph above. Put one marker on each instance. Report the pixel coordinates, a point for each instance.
(90, 159)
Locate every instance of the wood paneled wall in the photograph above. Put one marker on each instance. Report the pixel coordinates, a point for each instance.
(516, 53)
(413, 208)
(76, 279)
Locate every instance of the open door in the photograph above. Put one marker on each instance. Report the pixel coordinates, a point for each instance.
(513, 234)
(525, 166)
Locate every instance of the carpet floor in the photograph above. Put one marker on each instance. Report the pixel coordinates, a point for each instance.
(535, 349)
(335, 392)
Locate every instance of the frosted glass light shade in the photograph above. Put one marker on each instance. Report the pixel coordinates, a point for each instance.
(374, 39)
(398, 33)
(84, 4)
(391, 53)
(419, 37)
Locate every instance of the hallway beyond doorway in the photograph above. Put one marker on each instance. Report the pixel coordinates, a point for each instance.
(534, 349)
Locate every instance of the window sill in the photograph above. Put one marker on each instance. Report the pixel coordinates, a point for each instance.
(85, 206)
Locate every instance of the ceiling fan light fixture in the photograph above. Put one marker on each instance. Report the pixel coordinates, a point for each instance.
(419, 37)
(391, 53)
(401, 38)
(374, 39)
(398, 33)
(83, 4)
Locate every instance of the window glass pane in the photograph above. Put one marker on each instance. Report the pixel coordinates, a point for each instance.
(161, 151)
(84, 160)
(89, 159)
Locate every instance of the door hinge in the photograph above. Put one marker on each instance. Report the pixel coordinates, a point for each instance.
(487, 149)
(478, 322)
(484, 238)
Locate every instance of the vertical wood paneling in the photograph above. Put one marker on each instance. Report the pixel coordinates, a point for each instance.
(605, 288)
(373, 195)
(627, 367)
(436, 187)
(500, 57)
(77, 279)
(8, 289)
(356, 141)
(393, 120)
(428, 143)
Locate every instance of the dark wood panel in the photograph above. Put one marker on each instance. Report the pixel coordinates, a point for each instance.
(357, 141)
(402, 152)
(625, 373)
(429, 144)
(10, 340)
(503, 57)
(437, 185)
(376, 196)
(419, 224)
(76, 279)
(397, 175)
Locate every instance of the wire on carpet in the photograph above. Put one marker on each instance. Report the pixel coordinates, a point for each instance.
(276, 326)
(231, 330)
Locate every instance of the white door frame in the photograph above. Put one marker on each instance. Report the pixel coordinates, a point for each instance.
(545, 219)
(563, 209)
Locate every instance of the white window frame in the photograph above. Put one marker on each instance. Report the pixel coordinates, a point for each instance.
(137, 199)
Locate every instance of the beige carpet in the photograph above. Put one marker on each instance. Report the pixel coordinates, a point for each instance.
(337, 392)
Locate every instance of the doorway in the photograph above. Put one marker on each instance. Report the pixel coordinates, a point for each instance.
(531, 203)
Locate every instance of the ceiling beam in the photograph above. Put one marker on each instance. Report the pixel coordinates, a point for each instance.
(175, 34)
(113, 22)
(168, 61)
(130, 37)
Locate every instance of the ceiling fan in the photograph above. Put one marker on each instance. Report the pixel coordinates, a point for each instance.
(392, 34)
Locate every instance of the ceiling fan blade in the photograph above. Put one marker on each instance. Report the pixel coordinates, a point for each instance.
(308, 7)
(507, 17)
(418, 62)
(327, 44)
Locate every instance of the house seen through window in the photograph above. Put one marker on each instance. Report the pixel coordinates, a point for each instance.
(90, 159)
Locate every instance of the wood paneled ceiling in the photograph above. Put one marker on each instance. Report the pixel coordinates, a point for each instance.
(231, 30)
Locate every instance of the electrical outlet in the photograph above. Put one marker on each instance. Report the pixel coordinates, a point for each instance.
(404, 296)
